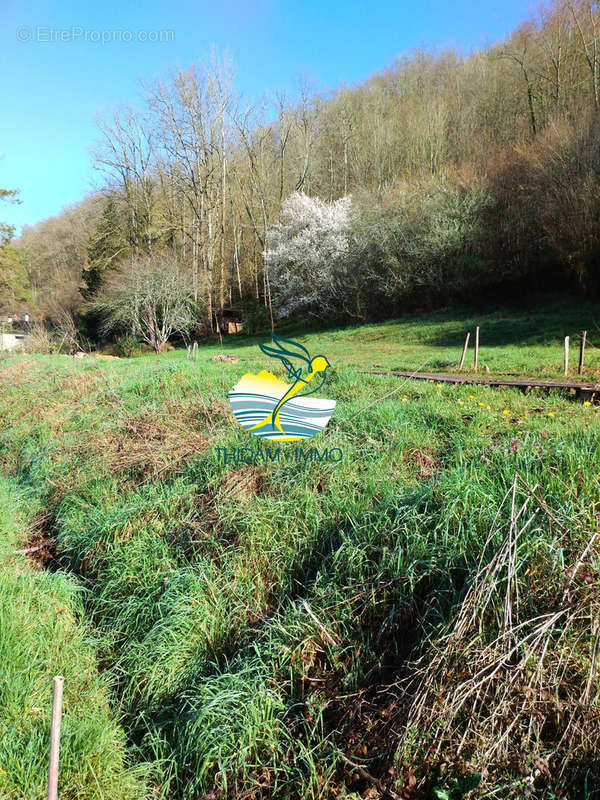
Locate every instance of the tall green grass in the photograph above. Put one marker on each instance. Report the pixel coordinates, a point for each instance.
(253, 621)
(40, 636)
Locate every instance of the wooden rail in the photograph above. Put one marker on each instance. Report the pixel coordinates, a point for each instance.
(585, 390)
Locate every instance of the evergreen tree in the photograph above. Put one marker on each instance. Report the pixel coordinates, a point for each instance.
(106, 248)
(14, 282)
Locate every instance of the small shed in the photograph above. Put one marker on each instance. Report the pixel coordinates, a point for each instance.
(228, 320)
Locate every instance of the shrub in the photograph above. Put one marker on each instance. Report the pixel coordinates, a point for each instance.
(151, 298)
(417, 245)
(256, 316)
(305, 252)
(40, 340)
(127, 347)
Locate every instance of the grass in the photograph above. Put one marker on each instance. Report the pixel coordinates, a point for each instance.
(41, 637)
(512, 343)
(270, 629)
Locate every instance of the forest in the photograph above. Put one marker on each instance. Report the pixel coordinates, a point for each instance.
(443, 178)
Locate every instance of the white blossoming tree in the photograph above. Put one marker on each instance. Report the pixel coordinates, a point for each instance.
(305, 255)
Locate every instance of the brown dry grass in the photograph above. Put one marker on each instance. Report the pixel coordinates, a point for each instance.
(526, 698)
(152, 443)
(243, 484)
(16, 371)
(422, 459)
(146, 443)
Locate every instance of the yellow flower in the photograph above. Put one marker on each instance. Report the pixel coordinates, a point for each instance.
(405, 399)
(472, 396)
(519, 432)
(506, 411)
(551, 413)
(489, 408)
(586, 403)
(430, 380)
(461, 402)
(479, 404)
(439, 386)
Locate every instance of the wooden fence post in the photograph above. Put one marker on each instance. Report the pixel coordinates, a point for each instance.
(476, 359)
(55, 737)
(581, 352)
(189, 351)
(566, 355)
(464, 352)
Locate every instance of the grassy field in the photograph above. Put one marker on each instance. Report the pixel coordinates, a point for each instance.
(419, 619)
(511, 343)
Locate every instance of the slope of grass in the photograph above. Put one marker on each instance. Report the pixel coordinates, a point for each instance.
(512, 342)
(40, 637)
(260, 622)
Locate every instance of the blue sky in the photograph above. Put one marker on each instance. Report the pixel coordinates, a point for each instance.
(51, 90)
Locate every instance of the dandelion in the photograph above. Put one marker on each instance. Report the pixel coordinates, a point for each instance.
(489, 408)
(405, 399)
(479, 404)
(461, 402)
(586, 403)
(472, 397)
(506, 411)
(430, 380)
(439, 386)
(551, 413)
(520, 432)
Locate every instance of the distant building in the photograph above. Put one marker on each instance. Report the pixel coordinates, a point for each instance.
(12, 341)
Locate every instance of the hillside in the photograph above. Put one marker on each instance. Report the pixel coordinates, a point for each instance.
(444, 177)
(416, 619)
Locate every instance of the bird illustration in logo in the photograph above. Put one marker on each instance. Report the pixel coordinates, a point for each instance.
(274, 409)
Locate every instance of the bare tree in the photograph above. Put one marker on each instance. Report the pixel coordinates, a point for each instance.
(151, 297)
(586, 19)
(518, 53)
(126, 154)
